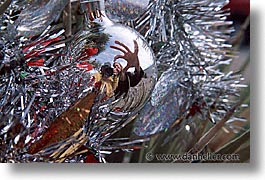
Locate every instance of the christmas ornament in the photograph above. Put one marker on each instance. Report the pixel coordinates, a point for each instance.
(92, 59)
(125, 10)
(120, 49)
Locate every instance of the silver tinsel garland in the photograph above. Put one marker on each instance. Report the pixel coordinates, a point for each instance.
(192, 39)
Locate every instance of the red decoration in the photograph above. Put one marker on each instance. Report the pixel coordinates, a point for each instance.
(87, 53)
(34, 53)
(46, 43)
(39, 62)
(42, 42)
(85, 65)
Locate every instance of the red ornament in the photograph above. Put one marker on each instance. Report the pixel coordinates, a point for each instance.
(87, 53)
(92, 51)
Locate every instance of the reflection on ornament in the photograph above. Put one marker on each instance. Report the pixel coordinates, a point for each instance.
(124, 10)
(124, 86)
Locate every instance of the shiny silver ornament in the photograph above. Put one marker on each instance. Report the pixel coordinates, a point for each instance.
(94, 47)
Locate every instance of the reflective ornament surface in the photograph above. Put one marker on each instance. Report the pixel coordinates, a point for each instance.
(121, 68)
(124, 10)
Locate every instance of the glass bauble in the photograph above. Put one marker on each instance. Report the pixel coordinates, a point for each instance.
(115, 104)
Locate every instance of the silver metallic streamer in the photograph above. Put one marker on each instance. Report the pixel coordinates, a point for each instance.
(191, 37)
(36, 17)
